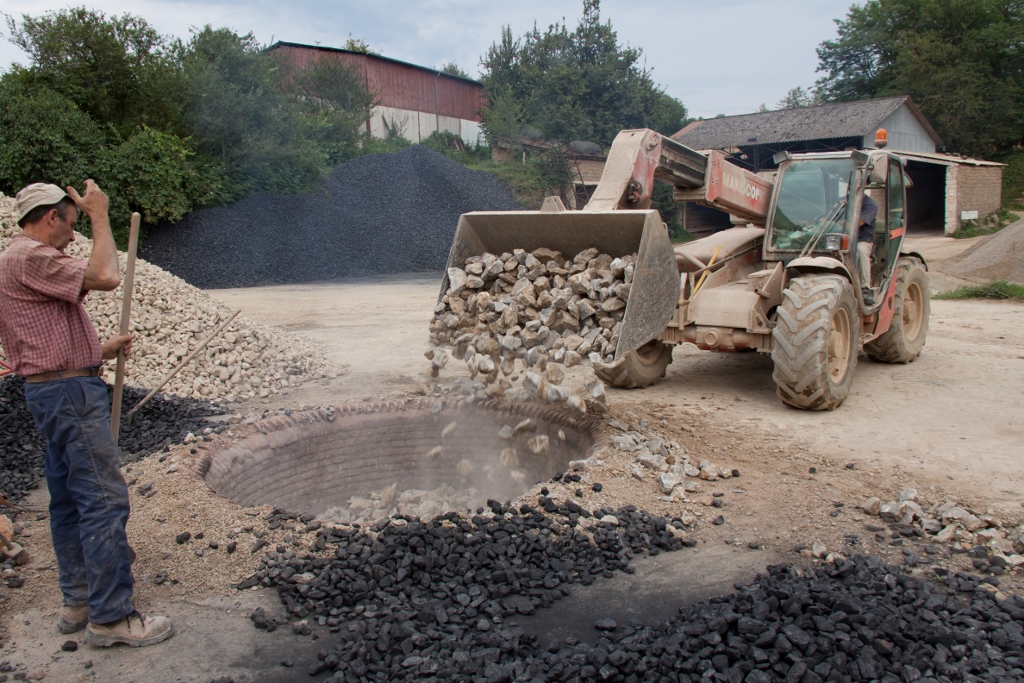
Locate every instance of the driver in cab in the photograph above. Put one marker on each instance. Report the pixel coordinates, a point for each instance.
(865, 245)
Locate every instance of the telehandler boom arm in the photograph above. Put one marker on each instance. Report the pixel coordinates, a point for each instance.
(639, 156)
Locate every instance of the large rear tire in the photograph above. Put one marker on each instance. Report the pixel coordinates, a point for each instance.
(640, 368)
(814, 343)
(912, 307)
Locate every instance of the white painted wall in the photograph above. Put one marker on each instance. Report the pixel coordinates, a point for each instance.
(418, 125)
(472, 132)
(905, 133)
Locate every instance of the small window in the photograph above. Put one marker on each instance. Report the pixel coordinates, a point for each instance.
(894, 209)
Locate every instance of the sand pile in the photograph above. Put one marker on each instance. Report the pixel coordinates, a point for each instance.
(999, 257)
(170, 317)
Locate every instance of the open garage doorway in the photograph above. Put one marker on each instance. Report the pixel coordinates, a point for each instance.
(926, 198)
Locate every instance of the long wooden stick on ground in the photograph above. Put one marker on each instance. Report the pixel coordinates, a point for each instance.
(167, 378)
(126, 314)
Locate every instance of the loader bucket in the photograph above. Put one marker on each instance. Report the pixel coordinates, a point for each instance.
(655, 291)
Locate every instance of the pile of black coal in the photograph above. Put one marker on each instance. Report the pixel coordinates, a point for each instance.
(438, 601)
(524, 558)
(167, 419)
(376, 214)
(163, 421)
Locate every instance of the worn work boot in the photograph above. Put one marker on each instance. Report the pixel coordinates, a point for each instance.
(869, 296)
(134, 630)
(72, 618)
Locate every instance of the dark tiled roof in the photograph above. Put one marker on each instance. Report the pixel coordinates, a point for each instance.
(839, 120)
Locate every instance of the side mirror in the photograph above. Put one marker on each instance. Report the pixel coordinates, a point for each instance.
(779, 157)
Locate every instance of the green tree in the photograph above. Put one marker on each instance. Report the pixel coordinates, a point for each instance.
(165, 126)
(796, 98)
(961, 61)
(240, 115)
(503, 115)
(359, 45)
(117, 69)
(667, 114)
(44, 137)
(453, 69)
(577, 84)
(333, 104)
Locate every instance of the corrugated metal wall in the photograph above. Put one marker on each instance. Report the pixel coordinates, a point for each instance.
(400, 86)
(905, 133)
(418, 125)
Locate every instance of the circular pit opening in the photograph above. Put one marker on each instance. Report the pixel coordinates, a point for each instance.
(360, 462)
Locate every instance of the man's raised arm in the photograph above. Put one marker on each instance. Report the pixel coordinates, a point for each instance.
(103, 272)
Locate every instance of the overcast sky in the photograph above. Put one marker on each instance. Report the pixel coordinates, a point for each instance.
(716, 56)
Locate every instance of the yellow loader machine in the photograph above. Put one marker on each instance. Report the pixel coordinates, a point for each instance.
(787, 283)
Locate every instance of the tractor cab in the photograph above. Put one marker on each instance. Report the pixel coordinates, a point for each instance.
(816, 209)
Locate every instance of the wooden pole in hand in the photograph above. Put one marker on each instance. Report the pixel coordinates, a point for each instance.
(170, 375)
(126, 314)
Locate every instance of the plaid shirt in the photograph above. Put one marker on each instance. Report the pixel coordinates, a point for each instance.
(43, 324)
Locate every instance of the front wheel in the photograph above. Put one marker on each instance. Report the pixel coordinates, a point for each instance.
(814, 343)
(912, 306)
(638, 369)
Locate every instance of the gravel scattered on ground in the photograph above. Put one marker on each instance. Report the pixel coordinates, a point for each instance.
(995, 548)
(376, 214)
(168, 498)
(163, 421)
(168, 570)
(170, 318)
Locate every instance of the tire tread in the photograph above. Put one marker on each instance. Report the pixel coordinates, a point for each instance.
(800, 342)
(892, 346)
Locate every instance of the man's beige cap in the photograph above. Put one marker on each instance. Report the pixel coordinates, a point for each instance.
(36, 194)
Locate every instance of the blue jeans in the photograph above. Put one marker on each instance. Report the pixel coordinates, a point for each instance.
(88, 496)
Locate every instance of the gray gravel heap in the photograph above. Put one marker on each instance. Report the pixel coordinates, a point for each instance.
(376, 214)
(414, 601)
(164, 420)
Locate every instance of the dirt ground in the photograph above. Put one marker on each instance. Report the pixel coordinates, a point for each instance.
(950, 419)
(948, 425)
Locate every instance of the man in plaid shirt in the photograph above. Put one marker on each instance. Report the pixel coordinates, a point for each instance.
(49, 339)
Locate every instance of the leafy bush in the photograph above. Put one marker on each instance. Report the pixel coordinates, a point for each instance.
(453, 147)
(333, 104)
(44, 137)
(1013, 179)
(987, 226)
(1001, 291)
(166, 126)
(239, 115)
(154, 173)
